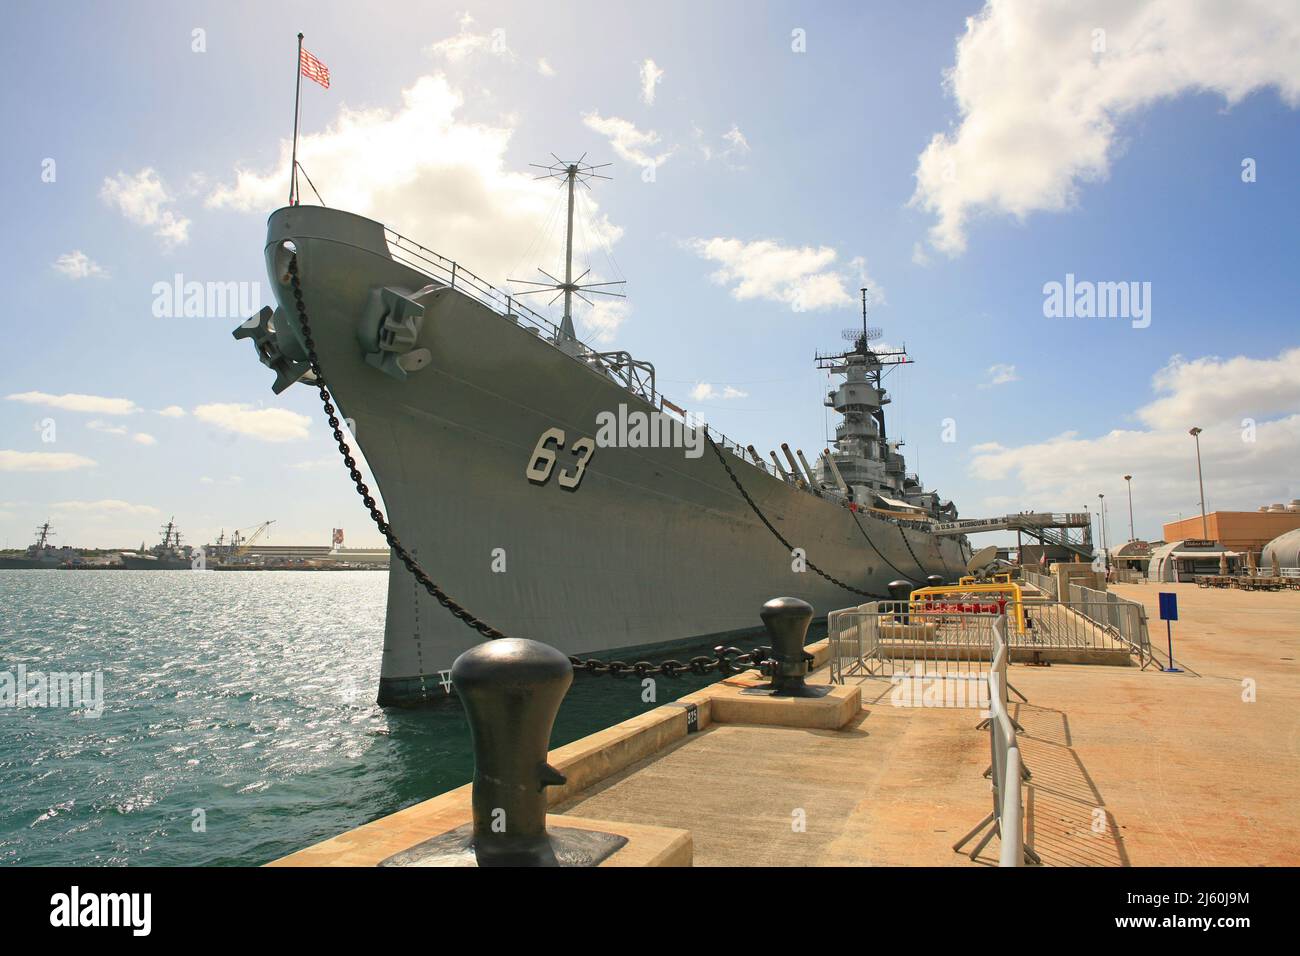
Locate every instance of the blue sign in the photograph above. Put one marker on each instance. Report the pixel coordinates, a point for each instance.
(1168, 606)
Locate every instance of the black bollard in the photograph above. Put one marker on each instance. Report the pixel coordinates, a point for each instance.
(787, 620)
(934, 580)
(900, 592)
(511, 690)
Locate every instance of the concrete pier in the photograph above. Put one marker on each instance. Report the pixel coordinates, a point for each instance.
(1130, 766)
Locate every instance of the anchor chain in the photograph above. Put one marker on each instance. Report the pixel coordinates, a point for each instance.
(313, 361)
(919, 566)
(770, 527)
(873, 544)
(722, 662)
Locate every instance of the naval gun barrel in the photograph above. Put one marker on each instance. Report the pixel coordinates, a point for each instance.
(835, 471)
(812, 481)
(794, 465)
(779, 470)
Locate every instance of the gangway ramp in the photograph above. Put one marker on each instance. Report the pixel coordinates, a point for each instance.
(1049, 528)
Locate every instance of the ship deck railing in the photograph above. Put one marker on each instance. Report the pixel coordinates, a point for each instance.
(456, 277)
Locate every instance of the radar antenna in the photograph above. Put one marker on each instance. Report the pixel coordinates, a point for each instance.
(570, 173)
(861, 337)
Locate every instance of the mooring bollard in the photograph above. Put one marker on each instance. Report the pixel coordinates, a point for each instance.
(900, 592)
(787, 620)
(511, 690)
(934, 580)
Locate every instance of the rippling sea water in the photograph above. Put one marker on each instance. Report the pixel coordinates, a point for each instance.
(248, 696)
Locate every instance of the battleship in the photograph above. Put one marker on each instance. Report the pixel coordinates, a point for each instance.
(478, 418)
(42, 554)
(168, 555)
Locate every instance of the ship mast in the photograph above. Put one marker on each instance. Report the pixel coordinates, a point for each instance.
(571, 174)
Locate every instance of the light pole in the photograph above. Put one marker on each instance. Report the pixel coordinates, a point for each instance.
(1102, 508)
(1205, 524)
(1128, 480)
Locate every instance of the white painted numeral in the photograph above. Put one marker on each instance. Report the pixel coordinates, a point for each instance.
(543, 460)
(583, 448)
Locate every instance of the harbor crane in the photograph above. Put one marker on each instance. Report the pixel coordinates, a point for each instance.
(241, 542)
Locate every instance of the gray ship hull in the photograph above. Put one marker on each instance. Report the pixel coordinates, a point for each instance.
(651, 548)
(138, 563)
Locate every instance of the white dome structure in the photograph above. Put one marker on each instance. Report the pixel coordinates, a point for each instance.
(1287, 548)
(1183, 561)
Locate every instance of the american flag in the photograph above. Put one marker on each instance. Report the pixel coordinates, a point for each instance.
(314, 69)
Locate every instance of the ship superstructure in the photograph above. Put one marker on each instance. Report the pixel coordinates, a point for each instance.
(865, 457)
(480, 420)
(42, 554)
(168, 555)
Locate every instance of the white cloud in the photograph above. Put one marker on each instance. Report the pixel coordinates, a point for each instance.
(704, 392)
(651, 75)
(919, 255)
(42, 461)
(139, 438)
(601, 320)
(172, 411)
(264, 424)
(143, 199)
(78, 265)
(1039, 108)
(735, 150)
(1001, 375)
(737, 143)
(316, 464)
(629, 143)
(96, 425)
(544, 67)
(467, 43)
(73, 402)
(1214, 389)
(104, 508)
(427, 173)
(1067, 471)
(801, 277)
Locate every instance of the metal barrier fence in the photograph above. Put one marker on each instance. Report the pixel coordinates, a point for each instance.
(1044, 582)
(884, 638)
(1123, 620)
(1007, 772)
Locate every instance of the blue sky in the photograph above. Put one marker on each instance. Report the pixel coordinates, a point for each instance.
(783, 178)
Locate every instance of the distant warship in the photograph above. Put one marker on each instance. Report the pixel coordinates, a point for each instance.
(482, 422)
(168, 555)
(42, 554)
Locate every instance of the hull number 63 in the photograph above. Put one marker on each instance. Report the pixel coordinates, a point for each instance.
(544, 457)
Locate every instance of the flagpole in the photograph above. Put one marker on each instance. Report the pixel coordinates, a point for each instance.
(297, 93)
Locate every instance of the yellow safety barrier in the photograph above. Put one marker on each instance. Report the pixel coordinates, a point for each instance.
(958, 598)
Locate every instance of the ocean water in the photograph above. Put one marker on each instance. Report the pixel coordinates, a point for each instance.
(244, 701)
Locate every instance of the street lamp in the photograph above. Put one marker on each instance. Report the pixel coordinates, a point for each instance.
(1205, 524)
(1102, 508)
(1128, 480)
